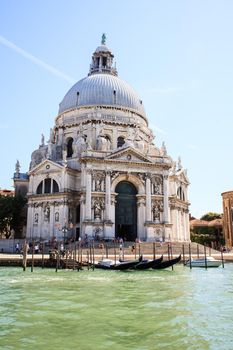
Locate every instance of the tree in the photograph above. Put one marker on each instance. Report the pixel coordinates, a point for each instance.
(208, 235)
(12, 215)
(211, 216)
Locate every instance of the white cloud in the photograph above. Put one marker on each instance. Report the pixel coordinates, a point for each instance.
(35, 60)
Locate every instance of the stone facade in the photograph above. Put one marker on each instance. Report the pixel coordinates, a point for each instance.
(100, 174)
(227, 198)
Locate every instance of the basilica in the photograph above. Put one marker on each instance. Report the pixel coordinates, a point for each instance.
(101, 175)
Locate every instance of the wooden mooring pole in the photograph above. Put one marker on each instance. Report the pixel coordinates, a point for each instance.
(222, 257)
(25, 253)
(205, 257)
(153, 250)
(93, 256)
(33, 247)
(42, 262)
(183, 253)
(171, 254)
(190, 256)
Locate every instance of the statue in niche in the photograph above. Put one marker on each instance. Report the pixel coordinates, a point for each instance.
(46, 213)
(98, 206)
(157, 185)
(56, 216)
(98, 184)
(36, 218)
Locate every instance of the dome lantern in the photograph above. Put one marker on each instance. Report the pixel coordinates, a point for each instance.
(102, 59)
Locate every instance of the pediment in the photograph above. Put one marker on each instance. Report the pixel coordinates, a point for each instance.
(182, 175)
(47, 166)
(129, 154)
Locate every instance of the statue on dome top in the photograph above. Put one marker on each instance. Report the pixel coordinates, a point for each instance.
(103, 40)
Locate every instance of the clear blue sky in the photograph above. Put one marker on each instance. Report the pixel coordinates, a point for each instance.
(178, 55)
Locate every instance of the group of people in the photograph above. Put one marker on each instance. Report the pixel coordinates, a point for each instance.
(29, 248)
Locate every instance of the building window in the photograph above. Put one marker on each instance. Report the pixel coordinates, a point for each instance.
(180, 194)
(47, 186)
(78, 214)
(55, 187)
(120, 141)
(39, 188)
(70, 147)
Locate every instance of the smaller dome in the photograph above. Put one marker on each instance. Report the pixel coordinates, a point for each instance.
(102, 48)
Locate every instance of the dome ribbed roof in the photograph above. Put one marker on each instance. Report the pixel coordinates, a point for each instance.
(102, 89)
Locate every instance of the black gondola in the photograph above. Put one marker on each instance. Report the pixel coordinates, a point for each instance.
(125, 265)
(168, 263)
(147, 264)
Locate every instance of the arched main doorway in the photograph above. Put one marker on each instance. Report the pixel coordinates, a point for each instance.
(126, 211)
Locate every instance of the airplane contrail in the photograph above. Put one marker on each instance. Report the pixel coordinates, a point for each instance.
(35, 60)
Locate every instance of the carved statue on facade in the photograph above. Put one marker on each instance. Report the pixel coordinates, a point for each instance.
(56, 216)
(102, 143)
(98, 206)
(179, 165)
(157, 185)
(79, 145)
(42, 139)
(36, 218)
(46, 213)
(164, 149)
(157, 209)
(17, 168)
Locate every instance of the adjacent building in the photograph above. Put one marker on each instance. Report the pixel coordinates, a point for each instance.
(227, 199)
(101, 174)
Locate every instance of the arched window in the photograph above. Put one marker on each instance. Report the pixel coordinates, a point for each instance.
(70, 147)
(47, 186)
(55, 187)
(39, 188)
(120, 141)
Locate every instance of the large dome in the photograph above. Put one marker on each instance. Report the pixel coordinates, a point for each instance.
(102, 89)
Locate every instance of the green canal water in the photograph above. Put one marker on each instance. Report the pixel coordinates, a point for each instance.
(98, 310)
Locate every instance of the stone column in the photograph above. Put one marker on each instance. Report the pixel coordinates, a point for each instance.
(52, 222)
(88, 195)
(30, 218)
(148, 197)
(107, 195)
(166, 215)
